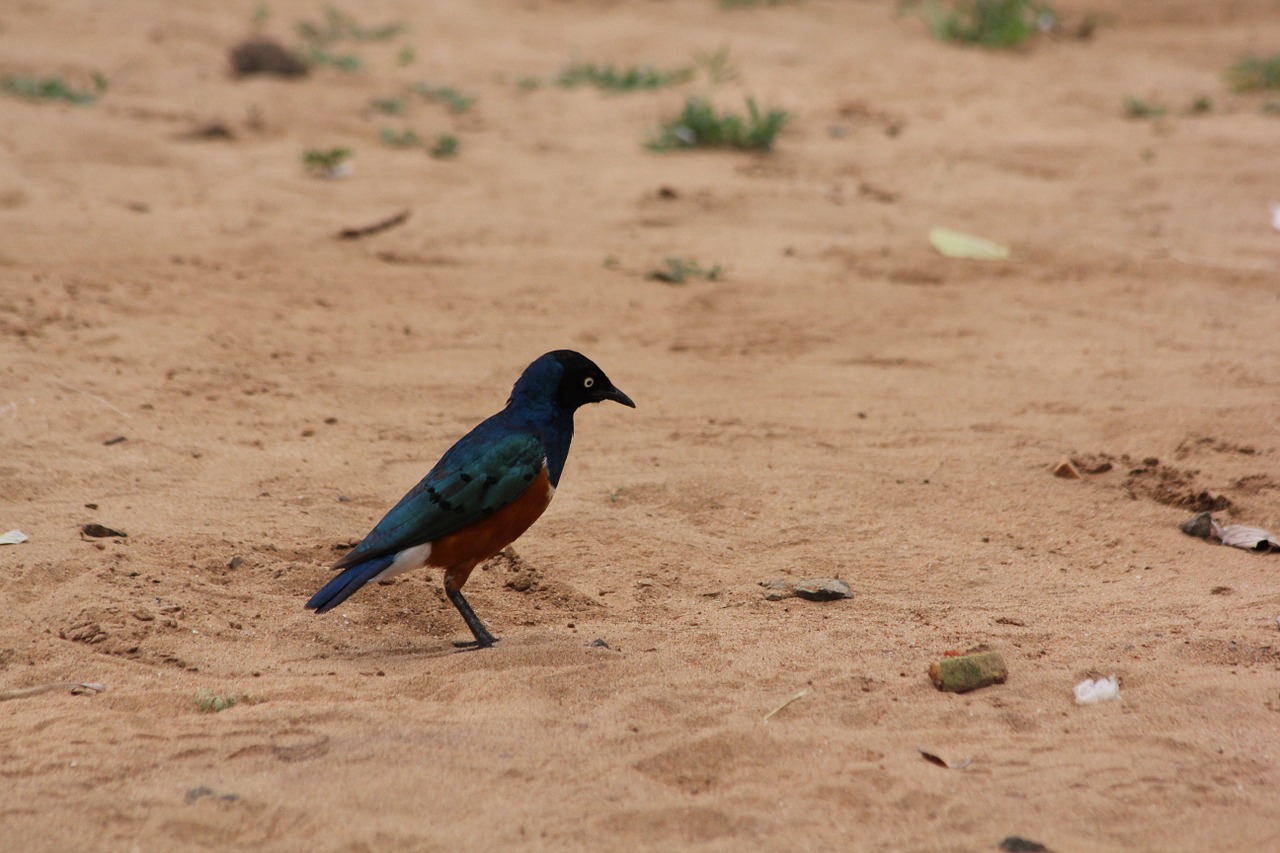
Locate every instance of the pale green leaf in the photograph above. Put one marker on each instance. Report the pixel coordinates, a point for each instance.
(954, 244)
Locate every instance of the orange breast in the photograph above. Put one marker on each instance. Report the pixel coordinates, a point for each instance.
(459, 553)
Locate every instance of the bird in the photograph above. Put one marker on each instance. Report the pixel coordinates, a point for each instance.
(484, 492)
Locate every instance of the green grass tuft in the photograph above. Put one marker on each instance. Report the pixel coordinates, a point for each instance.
(997, 24)
(1255, 72)
(339, 26)
(1200, 106)
(348, 62)
(444, 146)
(326, 162)
(718, 67)
(699, 126)
(1138, 108)
(53, 89)
(211, 703)
(399, 138)
(612, 79)
(456, 101)
(319, 38)
(388, 105)
(680, 270)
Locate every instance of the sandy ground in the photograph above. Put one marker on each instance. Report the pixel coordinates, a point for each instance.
(843, 402)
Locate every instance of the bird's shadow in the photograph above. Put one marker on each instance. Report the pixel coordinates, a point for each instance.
(437, 649)
(472, 645)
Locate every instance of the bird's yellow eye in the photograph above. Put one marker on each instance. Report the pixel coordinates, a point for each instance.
(588, 382)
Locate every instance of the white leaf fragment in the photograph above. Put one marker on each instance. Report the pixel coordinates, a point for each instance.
(13, 537)
(1090, 692)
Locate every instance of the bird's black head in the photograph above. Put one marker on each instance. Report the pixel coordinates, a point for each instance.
(563, 380)
(582, 382)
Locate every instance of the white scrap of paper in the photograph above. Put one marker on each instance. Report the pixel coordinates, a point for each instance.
(13, 537)
(1275, 216)
(1090, 692)
(1249, 538)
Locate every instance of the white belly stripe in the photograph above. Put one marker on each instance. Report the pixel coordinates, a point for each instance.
(405, 561)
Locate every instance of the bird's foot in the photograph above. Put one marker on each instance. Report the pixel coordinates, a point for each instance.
(473, 645)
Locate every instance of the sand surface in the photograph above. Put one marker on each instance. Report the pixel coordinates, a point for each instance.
(841, 402)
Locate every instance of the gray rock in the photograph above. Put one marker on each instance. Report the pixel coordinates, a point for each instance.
(822, 589)
(1200, 525)
(813, 589)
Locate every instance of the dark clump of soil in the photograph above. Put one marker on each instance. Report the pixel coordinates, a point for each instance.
(1172, 487)
(265, 56)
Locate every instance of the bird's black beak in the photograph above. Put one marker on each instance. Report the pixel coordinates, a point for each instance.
(618, 397)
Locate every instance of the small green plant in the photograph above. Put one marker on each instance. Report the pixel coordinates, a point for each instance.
(348, 62)
(261, 14)
(53, 89)
(717, 66)
(612, 79)
(1200, 106)
(456, 101)
(679, 270)
(444, 146)
(388, 106)
(1138, 108)
(327, 162)
(988, 23)
(407, 56)
(399, 138)
(699, 126)
(339, 26)
(1255, 72)
(1270, 108)
(212, 703)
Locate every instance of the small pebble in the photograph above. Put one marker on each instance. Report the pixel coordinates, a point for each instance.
(1014, 844)
(99, 530)
(1066, 470)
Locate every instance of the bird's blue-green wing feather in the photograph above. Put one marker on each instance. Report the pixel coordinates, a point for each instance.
(478, 476)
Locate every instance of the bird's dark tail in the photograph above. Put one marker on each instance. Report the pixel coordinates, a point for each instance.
(345, 584)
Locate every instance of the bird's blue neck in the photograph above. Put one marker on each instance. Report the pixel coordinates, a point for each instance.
(535, 408)
(552, 424)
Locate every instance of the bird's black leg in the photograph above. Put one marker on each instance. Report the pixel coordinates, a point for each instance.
(483, 638)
